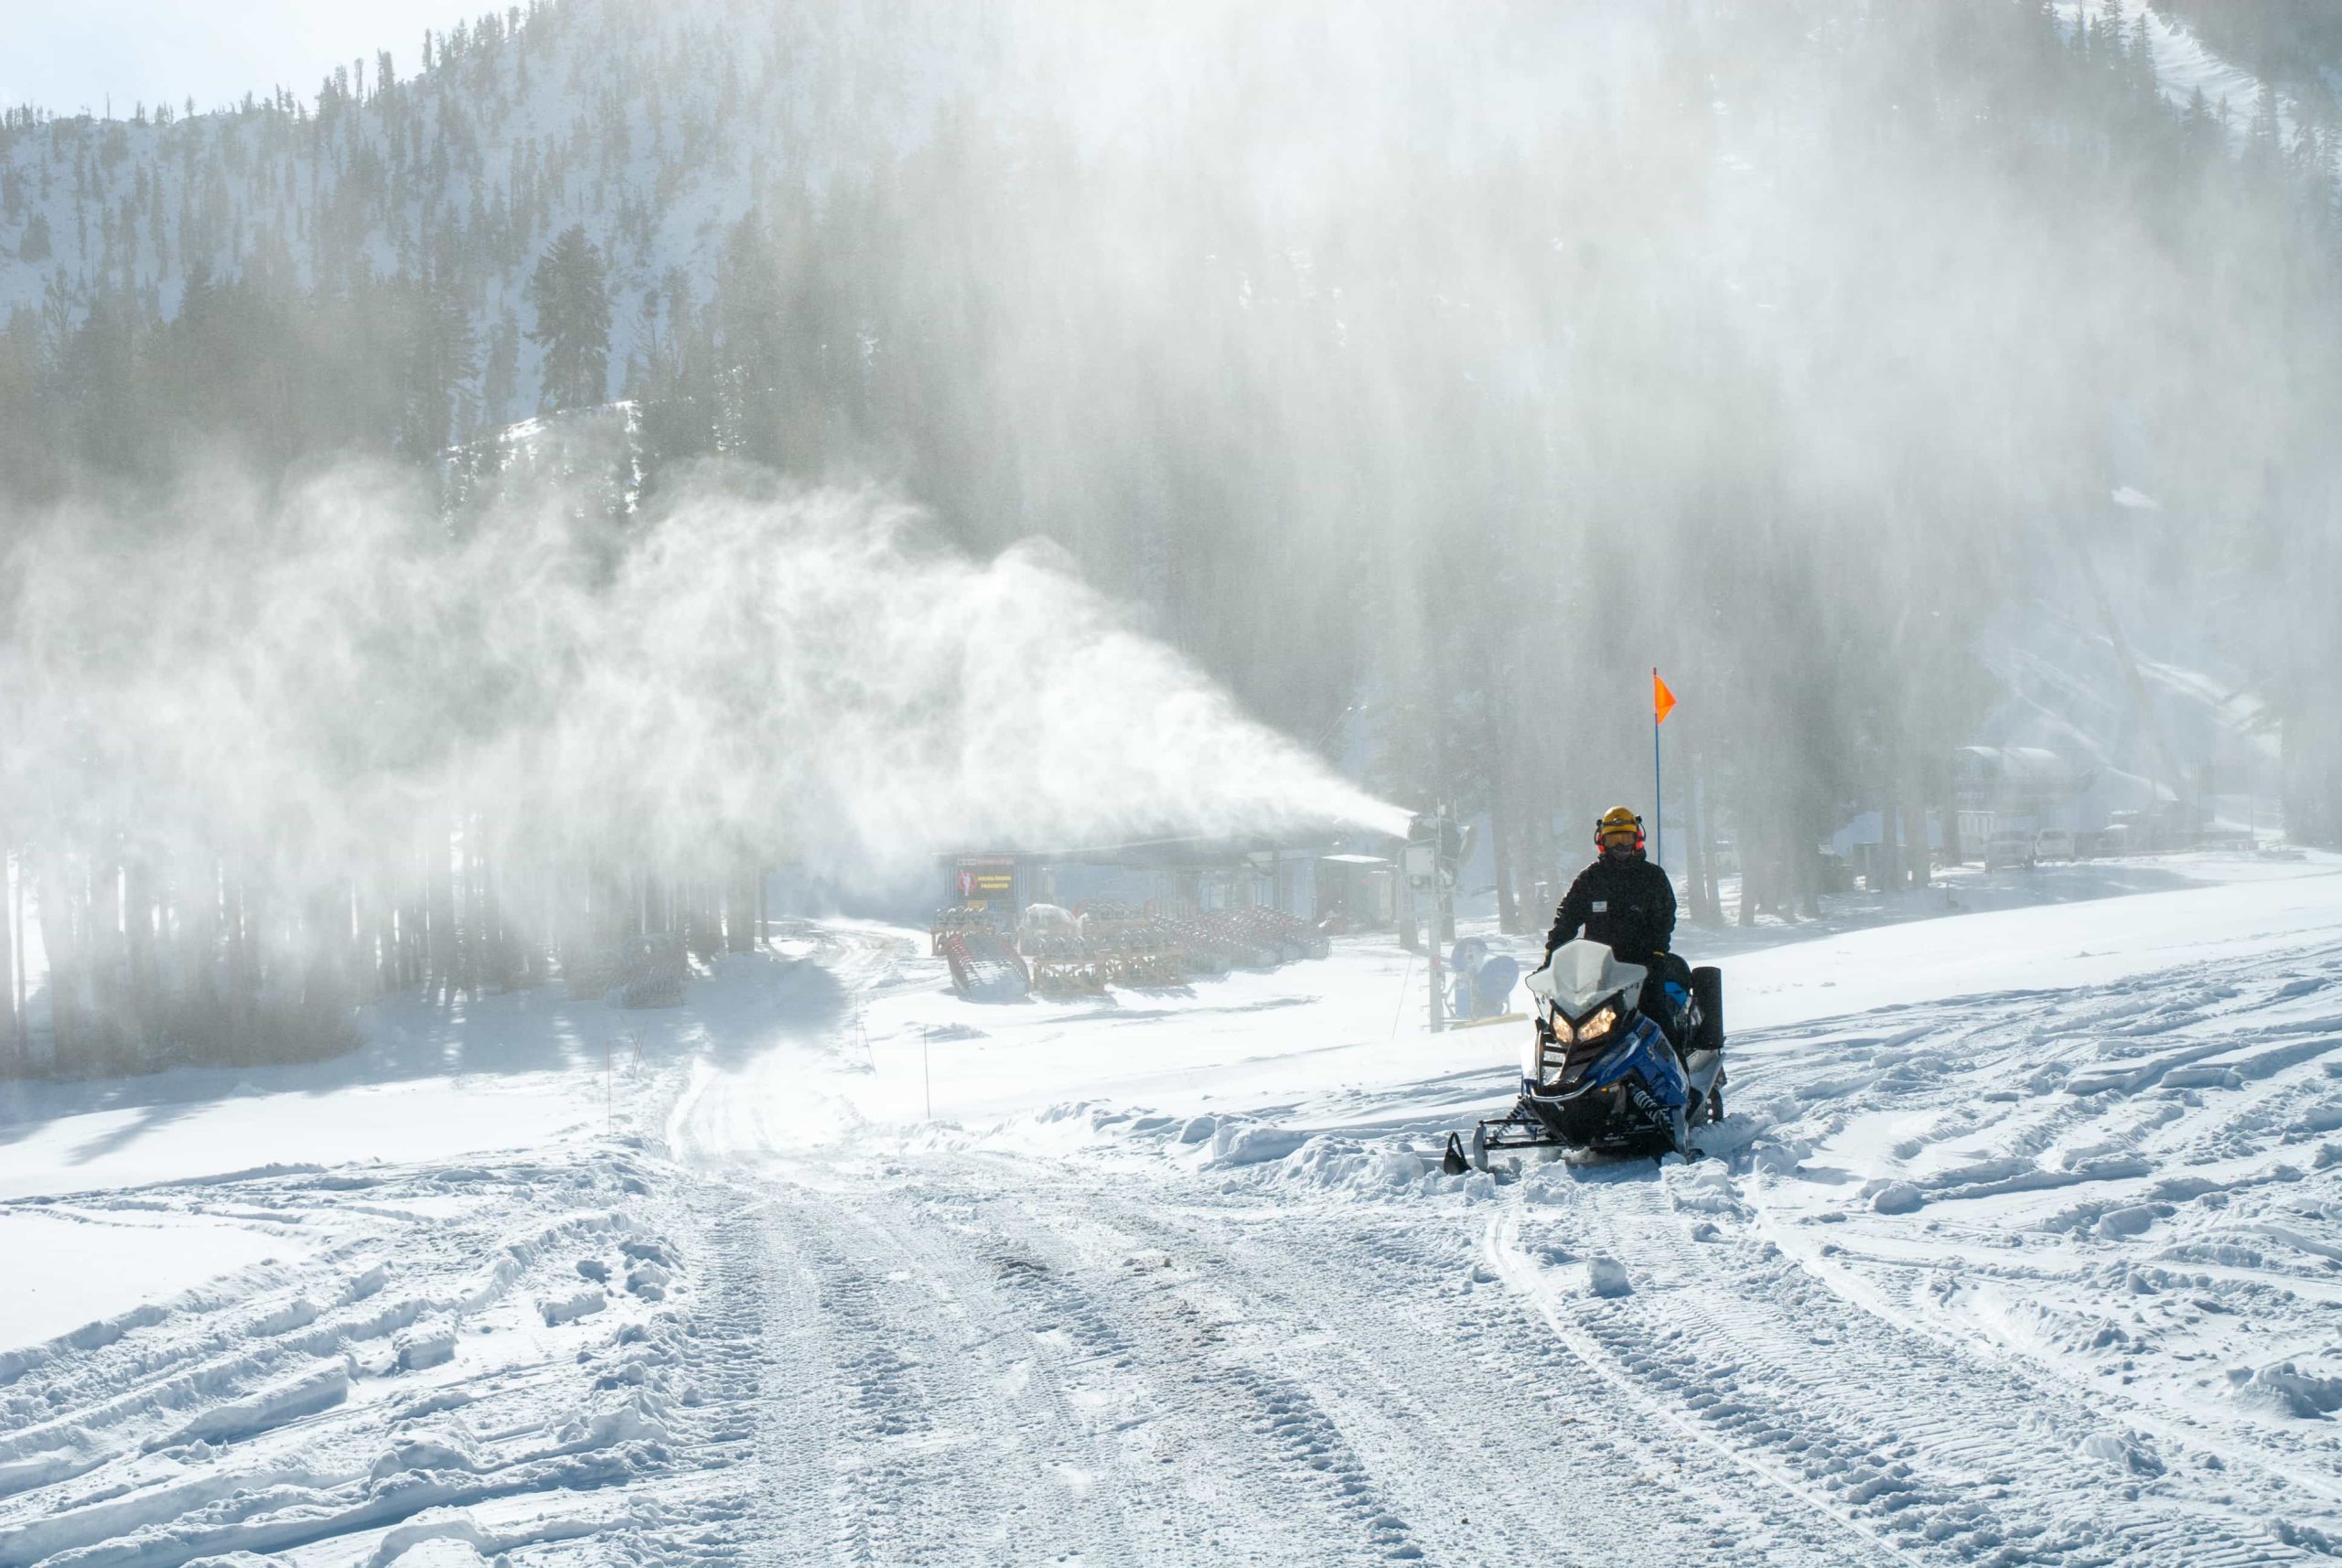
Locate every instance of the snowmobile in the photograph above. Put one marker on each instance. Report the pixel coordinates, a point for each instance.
(1599, 1074)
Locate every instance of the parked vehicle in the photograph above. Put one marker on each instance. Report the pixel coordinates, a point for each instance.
(2053, 843)
(2008, 848)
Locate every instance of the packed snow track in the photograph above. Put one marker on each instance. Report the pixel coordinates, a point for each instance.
(2047, 1275)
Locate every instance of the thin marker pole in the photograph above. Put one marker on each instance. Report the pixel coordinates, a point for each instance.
(1657, 793)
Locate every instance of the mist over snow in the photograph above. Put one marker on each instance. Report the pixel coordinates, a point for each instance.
(808, 676)
(491, 541)
(1394, 384)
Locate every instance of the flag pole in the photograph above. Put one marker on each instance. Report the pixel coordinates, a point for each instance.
(1658, 797)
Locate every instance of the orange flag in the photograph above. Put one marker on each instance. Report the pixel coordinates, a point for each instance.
(1662, 701)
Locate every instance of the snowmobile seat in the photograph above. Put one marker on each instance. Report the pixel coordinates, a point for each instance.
(1665, 995)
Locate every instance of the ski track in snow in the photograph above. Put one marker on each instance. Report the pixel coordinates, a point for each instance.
(2043, 1277)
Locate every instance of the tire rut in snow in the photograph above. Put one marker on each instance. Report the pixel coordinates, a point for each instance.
(1279, 1463)
(722, 1500)
(1494, 1439)
(1343, 1396)
(907, 1415)
(482, 1345)
(1006, 1379)
(2089, 1183)
(1938, 1455)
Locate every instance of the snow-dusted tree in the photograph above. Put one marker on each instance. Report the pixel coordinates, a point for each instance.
(570, 293)
(2261, 134)
(502, 376)
(439, 363)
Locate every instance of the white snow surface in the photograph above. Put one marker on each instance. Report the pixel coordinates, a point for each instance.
(2022, 1244)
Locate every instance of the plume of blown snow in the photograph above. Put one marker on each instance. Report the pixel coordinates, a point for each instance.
(321, 684)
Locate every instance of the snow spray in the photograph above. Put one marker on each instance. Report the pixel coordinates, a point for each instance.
(321, 681)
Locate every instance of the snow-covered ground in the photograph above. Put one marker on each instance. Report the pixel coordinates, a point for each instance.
(2022, 1243)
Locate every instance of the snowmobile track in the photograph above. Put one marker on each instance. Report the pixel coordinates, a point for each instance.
(1392, 1414)
(1935, 1445)
(2062, 1336)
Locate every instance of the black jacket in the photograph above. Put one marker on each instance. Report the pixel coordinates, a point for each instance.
(1628, 904)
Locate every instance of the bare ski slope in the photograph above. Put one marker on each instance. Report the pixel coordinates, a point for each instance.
(2023, 1244)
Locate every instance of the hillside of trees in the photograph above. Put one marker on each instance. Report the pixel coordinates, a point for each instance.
(2292, 44)
(1780, 347)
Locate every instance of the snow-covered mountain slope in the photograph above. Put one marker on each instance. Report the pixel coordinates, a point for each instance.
(2184, 64)
(2068, 691)
(2019, 1246)
(657, 128)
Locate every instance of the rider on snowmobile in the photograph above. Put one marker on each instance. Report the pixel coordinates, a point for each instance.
(1595, 1075)
(1624, 901)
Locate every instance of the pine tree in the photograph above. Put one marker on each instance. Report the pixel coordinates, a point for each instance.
(502, 378)
(2306, 156)
(2328, 182)
(570, 295)
(439, 363)
(751, 320)
(2260, 136)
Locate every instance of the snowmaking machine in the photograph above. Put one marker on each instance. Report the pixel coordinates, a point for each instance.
(1599, 1074)
(1480, 985)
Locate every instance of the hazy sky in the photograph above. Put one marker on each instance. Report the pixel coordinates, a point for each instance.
(67, 55)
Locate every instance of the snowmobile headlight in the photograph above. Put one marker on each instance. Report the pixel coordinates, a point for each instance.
(1601, 1024)
(1561, 1027)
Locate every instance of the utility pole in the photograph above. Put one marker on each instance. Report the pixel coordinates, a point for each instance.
(1438, 985)
(19, 1017)
(1443, 913)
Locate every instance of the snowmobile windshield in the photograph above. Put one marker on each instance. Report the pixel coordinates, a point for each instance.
(1581, 975)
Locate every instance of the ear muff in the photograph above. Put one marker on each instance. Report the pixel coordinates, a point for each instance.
(1611, 821)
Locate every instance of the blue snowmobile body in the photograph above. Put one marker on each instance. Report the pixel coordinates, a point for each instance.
(1599, 1074)
(1638, 1061)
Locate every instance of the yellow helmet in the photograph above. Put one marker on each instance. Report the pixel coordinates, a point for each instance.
(1616, 821)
